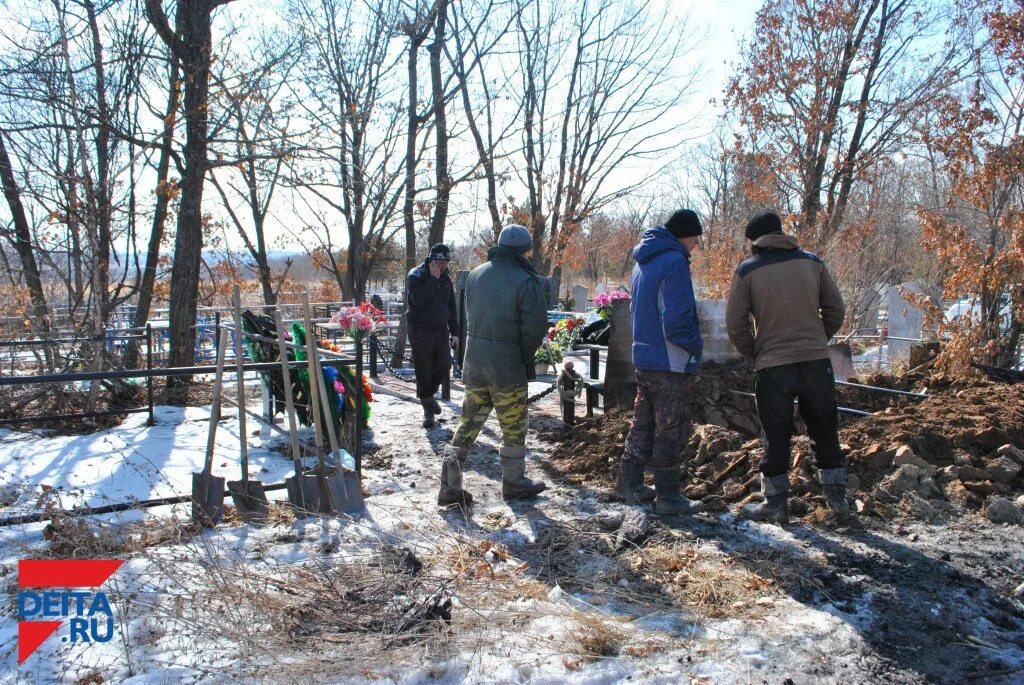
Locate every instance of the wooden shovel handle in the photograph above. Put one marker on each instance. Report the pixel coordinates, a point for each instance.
(236, 298)
(314, 391)
(218, 378)
(328, 414)
(289, 399)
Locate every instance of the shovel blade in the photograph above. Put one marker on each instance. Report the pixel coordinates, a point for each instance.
(346, 493)
(304, 494)
(207, 499)
(842, 361)
(251, 501)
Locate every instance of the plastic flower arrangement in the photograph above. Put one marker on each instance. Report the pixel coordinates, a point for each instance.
(603, 302)
(549, 353)
(561, 338)
(340, 385)
(358, 322)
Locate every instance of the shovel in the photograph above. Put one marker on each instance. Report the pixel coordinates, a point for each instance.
(314, 410)
(346, 493)
(342, 485)
(842, 361)
(303, 490)
(248, 495)
(208, 490)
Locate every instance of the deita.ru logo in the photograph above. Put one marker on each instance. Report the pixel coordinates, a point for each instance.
(50, 595)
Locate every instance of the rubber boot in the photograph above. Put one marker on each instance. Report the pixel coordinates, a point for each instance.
(668, 500)
(451, 491)
(428, 413)
(775, 507)
(833, 485)
(514, 483)
(630, 486)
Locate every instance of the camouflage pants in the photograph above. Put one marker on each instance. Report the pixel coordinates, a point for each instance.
(661, 421)
(510, 406)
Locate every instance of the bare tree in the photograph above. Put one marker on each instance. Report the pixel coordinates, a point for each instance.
(165, 191)
(22, 242)
(478, 30)
(256, 141)
(613, 67)
(352, 163)
(72, 87)
(191, 44)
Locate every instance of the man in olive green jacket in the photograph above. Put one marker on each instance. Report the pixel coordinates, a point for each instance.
(506, 320)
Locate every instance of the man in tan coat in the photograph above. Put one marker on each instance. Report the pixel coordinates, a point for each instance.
(783, 309)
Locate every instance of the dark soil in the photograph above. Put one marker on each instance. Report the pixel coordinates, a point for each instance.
(954, 435)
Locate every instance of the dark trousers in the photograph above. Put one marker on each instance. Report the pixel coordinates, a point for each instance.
(661, 421)
(811, 384)
(432, 359)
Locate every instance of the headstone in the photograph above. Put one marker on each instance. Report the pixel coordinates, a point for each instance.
(620, 375)
(906, 320)
(580, 296)
(868, 307)
(713, 331)
(601, 289)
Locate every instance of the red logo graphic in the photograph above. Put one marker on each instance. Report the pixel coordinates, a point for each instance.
(63, 574)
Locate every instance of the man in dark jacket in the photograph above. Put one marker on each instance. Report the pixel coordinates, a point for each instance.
(796, 308)
(666, 352)
(506, 320)
(431, 299)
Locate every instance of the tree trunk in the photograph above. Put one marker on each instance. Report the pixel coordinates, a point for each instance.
(486, 156)
(408, 213)
(192, 45)
(846, 174)
(442, 179)
(356, 272)
(23, 242)
(156, 234)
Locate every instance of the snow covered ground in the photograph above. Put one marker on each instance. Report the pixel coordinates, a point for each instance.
(528, 592)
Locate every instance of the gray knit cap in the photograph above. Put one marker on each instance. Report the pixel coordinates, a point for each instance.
(516, 238)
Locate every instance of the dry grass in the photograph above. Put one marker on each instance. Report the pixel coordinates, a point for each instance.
(596, 635)
(81, 538)
(713, 584)
(646, 648)
(94, 677)
(470, 560)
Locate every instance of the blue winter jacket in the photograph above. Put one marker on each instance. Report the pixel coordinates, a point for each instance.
(666, 334)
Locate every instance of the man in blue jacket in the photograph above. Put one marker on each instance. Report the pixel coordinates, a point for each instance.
(666, 352)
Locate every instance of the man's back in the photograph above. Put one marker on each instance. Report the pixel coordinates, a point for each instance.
(666, 333)
(795, 304)
(506, 320)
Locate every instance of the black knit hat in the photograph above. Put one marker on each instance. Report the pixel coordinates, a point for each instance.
(440, 253)
(763, 223)
(684, 223)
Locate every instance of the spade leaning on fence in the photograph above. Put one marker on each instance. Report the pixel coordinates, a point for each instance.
(207, 489)
(249, 497)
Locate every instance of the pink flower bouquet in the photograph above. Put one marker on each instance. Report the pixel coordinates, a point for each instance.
(358, 322)
(603, 301)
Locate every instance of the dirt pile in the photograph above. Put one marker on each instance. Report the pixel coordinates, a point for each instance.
(963, 446)
(960, 449)
(589, 453)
